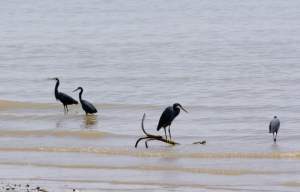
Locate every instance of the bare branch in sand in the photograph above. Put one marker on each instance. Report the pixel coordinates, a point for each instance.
(150, 137)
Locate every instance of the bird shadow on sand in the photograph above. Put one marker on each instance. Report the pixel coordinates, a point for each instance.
(149, 137)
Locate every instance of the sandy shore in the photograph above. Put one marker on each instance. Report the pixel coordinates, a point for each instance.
(21, 188)
(25, 188)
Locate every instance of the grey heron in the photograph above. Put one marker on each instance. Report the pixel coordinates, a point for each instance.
(168, 116)
(86, 106)
(62, 97)
(274, 127)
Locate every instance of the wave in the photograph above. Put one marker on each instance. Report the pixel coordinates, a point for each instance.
(8, 104)
(157, 153)
(138, 185)
(292, 184)
(5, 104)
(212, 171)
(88, 134)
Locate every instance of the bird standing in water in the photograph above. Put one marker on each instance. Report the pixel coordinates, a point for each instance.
(62, 97)
(274, 127)
(86, 106)
(168, 116)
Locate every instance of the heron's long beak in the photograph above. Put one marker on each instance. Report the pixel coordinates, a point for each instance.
(184, 109)
(75, 90)
(51, 78)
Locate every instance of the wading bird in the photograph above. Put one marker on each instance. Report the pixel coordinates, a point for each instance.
(168, 116)
(62, 97)
(274, 127)
(86, 106)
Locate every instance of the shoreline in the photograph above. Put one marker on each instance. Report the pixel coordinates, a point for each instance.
(21, 188)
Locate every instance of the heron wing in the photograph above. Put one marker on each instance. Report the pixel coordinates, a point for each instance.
(166, 118)
(275, 124)
(278, 126)
(88, 107)
(66, 99)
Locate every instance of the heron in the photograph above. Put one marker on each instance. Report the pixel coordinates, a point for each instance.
(86, 106)
(274, 127)
(62, 97)
(168, 116)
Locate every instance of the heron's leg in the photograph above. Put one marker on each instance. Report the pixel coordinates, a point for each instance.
(275, 137)
(67, 108)
(64, 108)
(170, 132)
(166, 133)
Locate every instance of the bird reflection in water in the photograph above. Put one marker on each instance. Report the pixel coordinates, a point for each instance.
(89, 121)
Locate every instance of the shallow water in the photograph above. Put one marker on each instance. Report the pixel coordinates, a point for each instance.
(232, 64)
(41, 145)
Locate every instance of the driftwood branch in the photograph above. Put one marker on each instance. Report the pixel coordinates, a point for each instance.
(200, 142)
(150, 137)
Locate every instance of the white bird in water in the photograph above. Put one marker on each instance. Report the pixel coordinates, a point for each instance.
(274, 127)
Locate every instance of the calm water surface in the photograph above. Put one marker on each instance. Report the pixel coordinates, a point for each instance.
(233, 64)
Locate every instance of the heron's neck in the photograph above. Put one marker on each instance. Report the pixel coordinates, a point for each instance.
(56, 88)
(80, 95)
(177, 111)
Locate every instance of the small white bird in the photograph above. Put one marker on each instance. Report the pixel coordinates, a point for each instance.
(274, 127)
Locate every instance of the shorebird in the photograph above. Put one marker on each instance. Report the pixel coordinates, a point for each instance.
(62, 97)
(168, 116)
(274, 127)
(86, 106)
